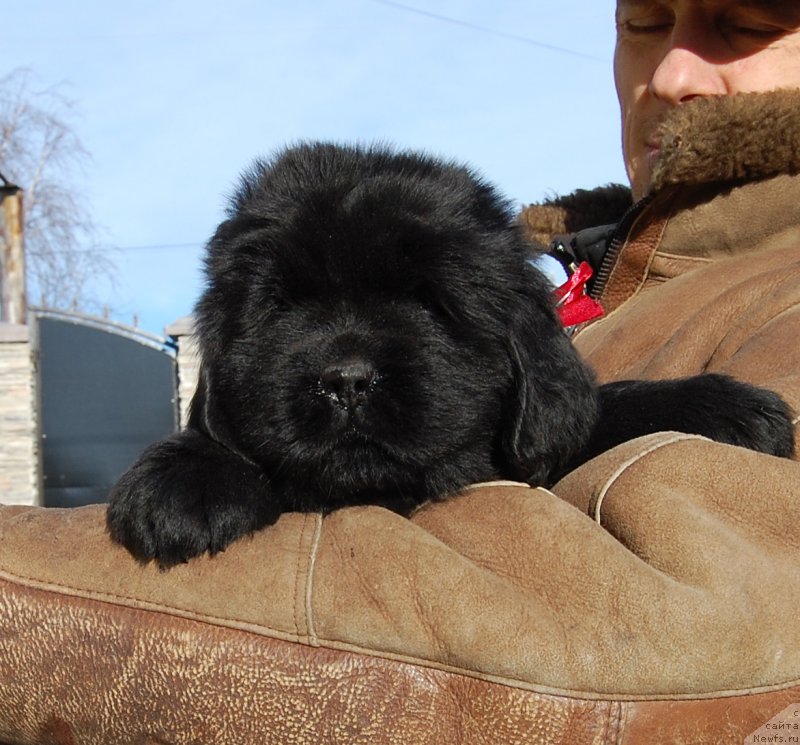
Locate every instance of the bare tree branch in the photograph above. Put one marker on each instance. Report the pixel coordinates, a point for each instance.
(40, 152)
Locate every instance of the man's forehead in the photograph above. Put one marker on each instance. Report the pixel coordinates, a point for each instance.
(778, 6)
(785, 13)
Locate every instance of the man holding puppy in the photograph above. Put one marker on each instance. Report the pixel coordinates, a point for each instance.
(705, 268)
(702, 273)
(650, 597)
(709, 92)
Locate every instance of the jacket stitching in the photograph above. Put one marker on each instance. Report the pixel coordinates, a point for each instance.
(312, 560)
(659, 239)
(625, 465)
(678, 257)
(645, 272)
(624, 711)
(612, 731)
(271, 633)
(497, 483)
(297, 614)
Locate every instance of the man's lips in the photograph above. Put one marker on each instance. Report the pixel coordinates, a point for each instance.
(652, 151)
(653, 143)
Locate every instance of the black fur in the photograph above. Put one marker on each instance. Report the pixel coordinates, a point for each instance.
(371, 333)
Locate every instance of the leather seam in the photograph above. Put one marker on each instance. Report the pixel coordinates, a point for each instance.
(611, 725)
(688, 259)
(622, 716)
(619, 696)
(497, 483)
(625, 465)
(312, 561)
(658, 238)
(298, 613)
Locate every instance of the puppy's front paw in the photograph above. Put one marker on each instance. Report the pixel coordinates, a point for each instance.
(752, 417)
(187, 495)
(714, 406)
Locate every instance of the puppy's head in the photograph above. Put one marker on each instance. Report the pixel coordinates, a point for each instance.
(371, 332)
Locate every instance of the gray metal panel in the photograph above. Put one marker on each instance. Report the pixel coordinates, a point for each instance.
(106, 393)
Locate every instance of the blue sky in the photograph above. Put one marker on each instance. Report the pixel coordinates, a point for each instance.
(176, 97)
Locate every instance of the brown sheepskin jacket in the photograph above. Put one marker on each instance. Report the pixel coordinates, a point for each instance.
(652, 596)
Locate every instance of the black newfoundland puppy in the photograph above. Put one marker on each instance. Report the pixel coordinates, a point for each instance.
(372, 333)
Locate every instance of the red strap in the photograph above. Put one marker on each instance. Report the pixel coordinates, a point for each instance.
(573, 304)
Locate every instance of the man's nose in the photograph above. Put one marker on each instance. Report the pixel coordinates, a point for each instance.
(684, 74)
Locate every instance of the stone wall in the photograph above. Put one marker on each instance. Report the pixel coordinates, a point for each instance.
(19, 458)
(188, 362)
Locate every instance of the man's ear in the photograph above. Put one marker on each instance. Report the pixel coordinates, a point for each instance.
(552, 406)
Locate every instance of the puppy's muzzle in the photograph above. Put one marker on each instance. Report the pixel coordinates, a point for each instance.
(349, 383)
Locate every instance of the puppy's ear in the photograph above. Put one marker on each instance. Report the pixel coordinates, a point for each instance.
(552, 405)
(200, 412)
(207, 416)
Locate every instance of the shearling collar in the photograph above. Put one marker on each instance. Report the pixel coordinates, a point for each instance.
(742, 137)
(584, 208)
(726, 184)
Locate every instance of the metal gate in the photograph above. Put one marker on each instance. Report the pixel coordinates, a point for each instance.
(106, 391)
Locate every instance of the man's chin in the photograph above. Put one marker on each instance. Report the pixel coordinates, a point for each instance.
(640, 176)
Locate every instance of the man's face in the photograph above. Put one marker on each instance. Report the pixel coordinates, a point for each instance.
(670, 51)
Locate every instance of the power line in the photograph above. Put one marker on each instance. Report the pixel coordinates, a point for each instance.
(493, 32)
(152, 247)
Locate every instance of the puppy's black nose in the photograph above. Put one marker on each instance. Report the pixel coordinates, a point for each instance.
(349, 382)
